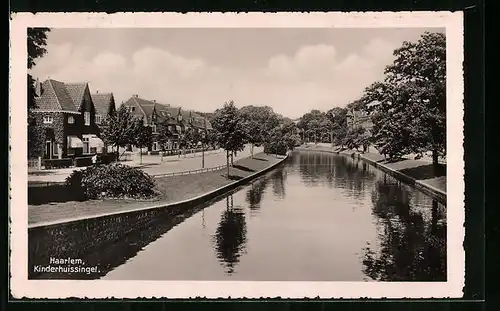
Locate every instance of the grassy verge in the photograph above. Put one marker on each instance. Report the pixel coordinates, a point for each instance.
(171, 189)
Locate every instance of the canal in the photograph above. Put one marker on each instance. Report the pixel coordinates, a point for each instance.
(317, 217)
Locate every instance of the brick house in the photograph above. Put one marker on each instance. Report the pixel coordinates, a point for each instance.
(103, 102)
(176, 119)
(65, 119)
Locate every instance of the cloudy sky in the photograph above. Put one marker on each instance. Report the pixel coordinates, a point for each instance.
(291, 70)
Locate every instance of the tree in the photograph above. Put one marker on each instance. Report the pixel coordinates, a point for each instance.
(229, 131)
(163, 134)
(118, 129)
(310, 124)
(412, 110)
(141, 135)
(36, 42)
(338, 118)
(258, 121)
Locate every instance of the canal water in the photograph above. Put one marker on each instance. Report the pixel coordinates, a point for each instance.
(317, 217)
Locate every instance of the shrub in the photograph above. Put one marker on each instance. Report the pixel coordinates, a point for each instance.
(84, 161)
(112, 181)
(106, 158)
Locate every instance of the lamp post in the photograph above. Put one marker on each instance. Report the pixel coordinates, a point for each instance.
(331, 130)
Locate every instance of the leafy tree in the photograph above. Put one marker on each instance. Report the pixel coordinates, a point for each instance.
(118, 129)
(229, 130)
(163, 135)
(36, 42)
(356, 137)
(258, 121)
(310, 124)
(142, 135)
(412, 110)
(338, 118)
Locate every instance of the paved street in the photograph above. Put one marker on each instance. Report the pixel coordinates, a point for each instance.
(153, 164)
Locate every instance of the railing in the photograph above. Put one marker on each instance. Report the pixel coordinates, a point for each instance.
(198, 171)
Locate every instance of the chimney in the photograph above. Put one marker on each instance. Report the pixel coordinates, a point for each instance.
(38, 88)
(97, 92)
(136, 95)
(154, 100)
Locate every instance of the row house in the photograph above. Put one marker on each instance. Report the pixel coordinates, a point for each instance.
(177, 119)
(65, 119)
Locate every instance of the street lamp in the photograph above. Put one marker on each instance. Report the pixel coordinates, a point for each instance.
(331, 131)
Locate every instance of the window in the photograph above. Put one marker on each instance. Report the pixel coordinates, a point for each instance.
(132, 109)
(98, 119)
(71, 120)
(48, 119)
(86, 146)
(154, 128)
(56, 149)
(86, 115)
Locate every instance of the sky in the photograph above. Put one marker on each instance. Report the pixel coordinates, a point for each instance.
(292, 70)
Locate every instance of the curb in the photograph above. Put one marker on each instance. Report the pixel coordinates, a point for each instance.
(192, 201)
(435, 193)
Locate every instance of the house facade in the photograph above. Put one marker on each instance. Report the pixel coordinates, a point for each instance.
(64, 119)
(361, 117)
(177, 120)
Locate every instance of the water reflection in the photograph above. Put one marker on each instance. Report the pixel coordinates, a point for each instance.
(230, 236)
(336, 171)
(254, 194)
(411, 247)
(279, 179)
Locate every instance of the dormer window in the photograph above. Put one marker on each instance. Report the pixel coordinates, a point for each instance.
(154, 128)
(71, 120)
(86, 116)
(98, 119)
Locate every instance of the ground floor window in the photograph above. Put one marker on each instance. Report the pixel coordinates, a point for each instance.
(55, 147)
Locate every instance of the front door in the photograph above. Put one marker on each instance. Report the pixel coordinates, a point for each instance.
(48, 149)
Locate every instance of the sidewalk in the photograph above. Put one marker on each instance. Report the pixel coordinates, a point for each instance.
(172, 189)
(151, 165)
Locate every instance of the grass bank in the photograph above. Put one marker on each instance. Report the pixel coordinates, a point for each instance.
(171, 189)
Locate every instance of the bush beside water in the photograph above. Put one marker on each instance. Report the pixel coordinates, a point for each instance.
(111, 181)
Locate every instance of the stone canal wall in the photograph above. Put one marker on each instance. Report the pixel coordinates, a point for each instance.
(435, 193)
(78, 238)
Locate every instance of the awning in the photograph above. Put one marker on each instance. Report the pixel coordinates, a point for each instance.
(74, 142)
(96, 142)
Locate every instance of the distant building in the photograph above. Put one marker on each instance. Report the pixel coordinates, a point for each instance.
(176, 119)
(102, 103)
(65, 119)
(361, 117)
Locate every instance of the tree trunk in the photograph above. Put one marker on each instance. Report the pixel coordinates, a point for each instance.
(232, 155)
(140, 155)
(435, 162)
(227, 162)
(251, 151)
(202, 156)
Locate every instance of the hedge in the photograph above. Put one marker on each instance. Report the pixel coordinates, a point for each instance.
(57, 163)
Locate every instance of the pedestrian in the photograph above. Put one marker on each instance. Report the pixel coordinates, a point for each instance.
(94, 159)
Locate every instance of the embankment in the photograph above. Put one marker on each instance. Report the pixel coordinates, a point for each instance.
(80, 236)
(393, 169)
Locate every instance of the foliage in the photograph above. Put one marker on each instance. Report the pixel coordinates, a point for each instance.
(163, 134)
(313, 125)
(228, 127)
(118, 129)
(411, 116)
(141, 136)
(282, 138)
(356, 137)
(111, 181)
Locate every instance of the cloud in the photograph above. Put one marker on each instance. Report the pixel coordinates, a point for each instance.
(314, 77)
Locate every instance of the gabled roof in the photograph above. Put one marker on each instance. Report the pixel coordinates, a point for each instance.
(56, 97)
(101, 102)
(76, 91)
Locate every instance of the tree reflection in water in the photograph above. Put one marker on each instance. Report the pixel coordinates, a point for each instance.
(230, 236)
(411, 247)
(279, 178)
(255, 193)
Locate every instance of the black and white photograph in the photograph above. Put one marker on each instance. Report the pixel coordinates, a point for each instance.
(244, 155)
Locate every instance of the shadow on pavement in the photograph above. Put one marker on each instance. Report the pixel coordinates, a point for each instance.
(242, 168)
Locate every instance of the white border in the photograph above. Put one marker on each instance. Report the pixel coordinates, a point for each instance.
(22, 287)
